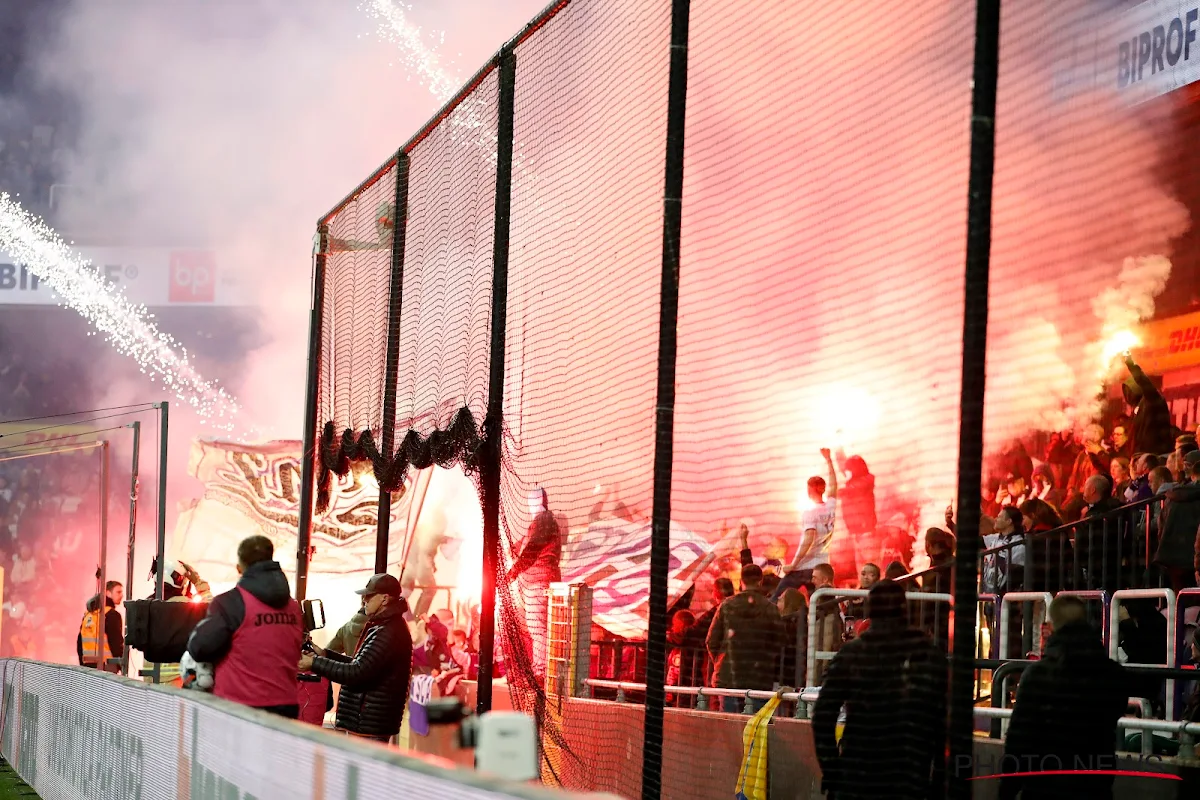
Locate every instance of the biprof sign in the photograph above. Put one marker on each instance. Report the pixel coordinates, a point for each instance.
(1136, 55)
(152, 276)
(1155, 48)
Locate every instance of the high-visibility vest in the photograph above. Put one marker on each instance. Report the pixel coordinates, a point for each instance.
(91, 630)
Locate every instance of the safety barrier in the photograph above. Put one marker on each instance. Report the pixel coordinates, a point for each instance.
(74, 733)
(1114, 610)
(1006, 602)
(814, 602)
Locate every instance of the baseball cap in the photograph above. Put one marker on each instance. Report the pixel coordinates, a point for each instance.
(1192, 458)
(381, 583)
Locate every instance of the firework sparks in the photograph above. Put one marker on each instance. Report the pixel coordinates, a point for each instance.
(394, 27)
(127, 326)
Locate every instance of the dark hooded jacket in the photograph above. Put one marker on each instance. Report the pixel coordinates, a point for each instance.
(745, 639)
(1151, 429)
(1180, 522)
(114, 628)
(375, 680)
(212, 638)
(891, 672)
(1066, 712)
(857, 497)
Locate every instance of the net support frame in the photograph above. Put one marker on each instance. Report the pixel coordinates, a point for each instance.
(974, 374)
(664, 409)
(493, 423)
(160, 549)
(309, 452)
(102, 572)
(391, 368)
(130, 547)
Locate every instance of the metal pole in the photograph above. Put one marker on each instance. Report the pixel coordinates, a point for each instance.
(309, 455)
(104, 465)
(133, 498)
(493, 424)
(664, 418)
(392, 362)
(970, 435)
(161, 548)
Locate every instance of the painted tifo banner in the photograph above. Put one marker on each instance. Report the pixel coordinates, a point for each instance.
(255, 489)
(613, 557)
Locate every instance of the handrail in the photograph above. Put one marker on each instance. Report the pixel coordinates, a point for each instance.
(1114, 611)
(1029, 540)
(811, 693)
(813, 655)
(1005, 603)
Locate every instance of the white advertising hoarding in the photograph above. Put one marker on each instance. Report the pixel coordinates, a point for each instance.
(152, 276)
(1139, 54)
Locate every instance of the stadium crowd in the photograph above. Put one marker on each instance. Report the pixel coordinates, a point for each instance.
(36, 133)
(751, 632)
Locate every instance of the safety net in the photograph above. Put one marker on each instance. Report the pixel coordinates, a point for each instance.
(581, 343)
(355, 244)
(50, 545)
(824, 361)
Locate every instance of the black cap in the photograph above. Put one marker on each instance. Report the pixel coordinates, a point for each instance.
(381, 584)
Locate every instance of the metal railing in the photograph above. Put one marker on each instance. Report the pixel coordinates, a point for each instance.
(1108, 551)
(1114, 610)
(814, 655)
(1185, 730)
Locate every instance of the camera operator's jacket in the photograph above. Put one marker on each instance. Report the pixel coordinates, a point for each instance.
(253, 634)
(375, 680)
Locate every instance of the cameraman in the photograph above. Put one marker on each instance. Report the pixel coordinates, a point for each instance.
(375, 679)
(253, 634)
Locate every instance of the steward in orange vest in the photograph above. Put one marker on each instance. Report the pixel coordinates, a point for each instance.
(102, 637)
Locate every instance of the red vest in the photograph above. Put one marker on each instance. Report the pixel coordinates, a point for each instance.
(261, 667)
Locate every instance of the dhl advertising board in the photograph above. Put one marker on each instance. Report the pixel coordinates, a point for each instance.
(1170, 344)
(27, 438)
(151, 276)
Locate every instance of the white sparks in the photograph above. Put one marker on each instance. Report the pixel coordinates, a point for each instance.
(128, 327)
(394, 27)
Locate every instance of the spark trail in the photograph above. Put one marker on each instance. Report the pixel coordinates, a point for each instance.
(394, 27)
(127, 326)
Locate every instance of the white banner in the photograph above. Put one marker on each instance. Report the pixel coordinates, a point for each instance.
(77, 734)
(1146, 52)
(152, 276)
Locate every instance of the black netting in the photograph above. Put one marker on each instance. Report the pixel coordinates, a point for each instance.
(581, 347)
(358, 268)
(445, 322)
(837, 181)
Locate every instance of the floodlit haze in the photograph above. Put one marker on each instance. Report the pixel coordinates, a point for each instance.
(236, 124)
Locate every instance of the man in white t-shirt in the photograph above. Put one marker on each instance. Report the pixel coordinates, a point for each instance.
(816, 522)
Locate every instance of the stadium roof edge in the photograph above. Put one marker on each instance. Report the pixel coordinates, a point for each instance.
(548, 13)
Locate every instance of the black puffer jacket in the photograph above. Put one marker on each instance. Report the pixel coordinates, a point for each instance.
(375, 681)
(1181, 519)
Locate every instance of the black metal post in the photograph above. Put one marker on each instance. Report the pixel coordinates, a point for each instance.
(160, 550)
(308, 455)
(493, 424)
(970, 435)
(105, 464)
(664, 420)
(133, 498)
(387, 443)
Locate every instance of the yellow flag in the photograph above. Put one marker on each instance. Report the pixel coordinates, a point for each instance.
(752, 783)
